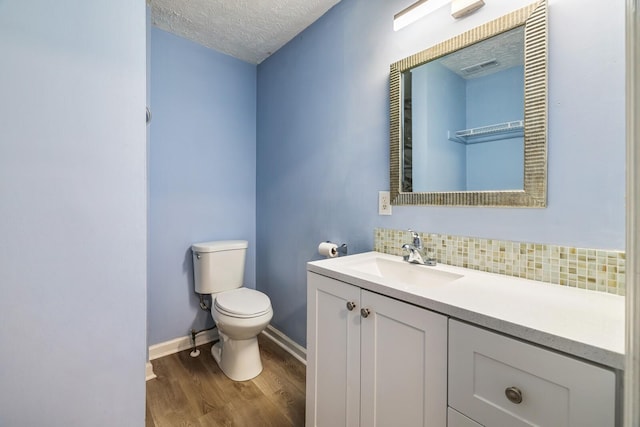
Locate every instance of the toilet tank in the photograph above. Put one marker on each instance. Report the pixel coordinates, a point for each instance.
(218, 266)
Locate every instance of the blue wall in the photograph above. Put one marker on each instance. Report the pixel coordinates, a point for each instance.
(452, 103)
(492, 99)
(202, 172)
(306, 163)
(73, 213)
(495, 98)
(439, 164)
(323, 130)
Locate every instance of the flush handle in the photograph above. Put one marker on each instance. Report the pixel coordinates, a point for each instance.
(197, 256)
(351, 305)
(364, 312)
(513, 394)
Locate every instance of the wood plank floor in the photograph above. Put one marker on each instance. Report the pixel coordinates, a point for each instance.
(194, 392)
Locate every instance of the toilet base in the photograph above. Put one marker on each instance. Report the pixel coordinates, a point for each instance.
(238, 359)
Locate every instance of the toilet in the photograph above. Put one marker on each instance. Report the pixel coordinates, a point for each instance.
(239, 313)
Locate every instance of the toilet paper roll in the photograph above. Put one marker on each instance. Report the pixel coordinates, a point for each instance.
(328, 249)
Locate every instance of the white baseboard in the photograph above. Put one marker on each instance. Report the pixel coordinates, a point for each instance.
(290, 346)
(182, 343)
(149, 375)
(176, 345)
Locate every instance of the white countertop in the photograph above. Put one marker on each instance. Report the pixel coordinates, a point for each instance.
(582, 323)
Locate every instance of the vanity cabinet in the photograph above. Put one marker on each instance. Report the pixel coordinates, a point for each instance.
(499, 381)
(395, 344)
(372, 360)
(456, 419)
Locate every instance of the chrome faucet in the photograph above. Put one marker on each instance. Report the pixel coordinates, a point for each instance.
(417, 254)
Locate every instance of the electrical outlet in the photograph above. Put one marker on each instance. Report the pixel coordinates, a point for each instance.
(384, 203)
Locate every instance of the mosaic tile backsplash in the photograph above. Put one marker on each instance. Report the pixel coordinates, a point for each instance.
(594, 269)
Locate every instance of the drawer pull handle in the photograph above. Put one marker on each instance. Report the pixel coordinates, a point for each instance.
(364, 312)
(513, 394)
(351, 305)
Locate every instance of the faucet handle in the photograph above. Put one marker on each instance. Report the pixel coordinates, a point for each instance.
(417, 241)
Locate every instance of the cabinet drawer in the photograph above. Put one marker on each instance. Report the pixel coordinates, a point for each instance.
(500, 381)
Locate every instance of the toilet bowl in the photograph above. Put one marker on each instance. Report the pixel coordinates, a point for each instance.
(239, 313)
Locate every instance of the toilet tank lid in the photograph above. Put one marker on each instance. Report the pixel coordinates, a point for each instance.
(219, 245)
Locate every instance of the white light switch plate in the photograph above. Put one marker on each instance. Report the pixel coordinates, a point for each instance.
(384, 203)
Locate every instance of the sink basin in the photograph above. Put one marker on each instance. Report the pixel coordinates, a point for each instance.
(412, 274)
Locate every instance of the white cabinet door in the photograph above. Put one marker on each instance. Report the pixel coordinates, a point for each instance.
(333, 353)
(500, 381)
(404, 364)
(456, 419)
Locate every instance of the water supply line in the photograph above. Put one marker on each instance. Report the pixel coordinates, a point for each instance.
(203, 303)
(205, 307)
(194, 351)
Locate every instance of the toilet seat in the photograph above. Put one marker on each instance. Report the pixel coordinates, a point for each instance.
(242, 303)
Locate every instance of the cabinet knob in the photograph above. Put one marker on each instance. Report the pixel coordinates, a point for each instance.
(364, 312)
(351, 305)
(513, 394)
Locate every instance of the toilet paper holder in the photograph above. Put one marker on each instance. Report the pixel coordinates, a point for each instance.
(331, 250)
(342, 249)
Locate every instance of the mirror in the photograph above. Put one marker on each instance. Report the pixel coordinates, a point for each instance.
(468, 133)
(468, 117)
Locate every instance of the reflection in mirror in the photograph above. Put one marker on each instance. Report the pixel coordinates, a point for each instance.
(463, 124)
(469, 117)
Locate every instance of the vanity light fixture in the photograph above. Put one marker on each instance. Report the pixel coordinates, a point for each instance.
(416, 11)
(462, 8)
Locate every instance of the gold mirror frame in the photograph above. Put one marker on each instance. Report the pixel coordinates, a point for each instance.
(534, 194)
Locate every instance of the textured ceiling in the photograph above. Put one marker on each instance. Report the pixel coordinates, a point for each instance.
(250, 30)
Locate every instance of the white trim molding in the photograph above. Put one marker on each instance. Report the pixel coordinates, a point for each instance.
(176, 345)
(149, 374)
(631, 409)
(286, 343)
